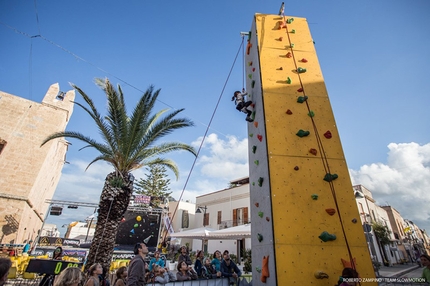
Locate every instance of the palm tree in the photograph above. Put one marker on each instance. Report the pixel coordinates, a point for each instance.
(127, 143)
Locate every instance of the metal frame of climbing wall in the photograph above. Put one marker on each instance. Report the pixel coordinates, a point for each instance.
(305, 223)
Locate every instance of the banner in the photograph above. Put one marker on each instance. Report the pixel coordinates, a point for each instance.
(58, 241)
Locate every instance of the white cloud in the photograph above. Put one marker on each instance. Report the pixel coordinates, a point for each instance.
(403, 182)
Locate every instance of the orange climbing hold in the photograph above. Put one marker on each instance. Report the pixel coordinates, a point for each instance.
(248, 48)
(289, 55)
(255, 124)
(265, 269)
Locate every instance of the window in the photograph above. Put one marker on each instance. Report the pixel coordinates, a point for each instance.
(219, 218)
(185, 219)
(206, 219)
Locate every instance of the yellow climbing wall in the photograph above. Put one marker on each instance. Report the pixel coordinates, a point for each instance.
(291, 203)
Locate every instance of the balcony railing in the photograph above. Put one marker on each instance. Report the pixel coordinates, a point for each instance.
(231, 223)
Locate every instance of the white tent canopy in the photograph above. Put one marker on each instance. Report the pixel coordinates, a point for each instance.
(236, 232)
(197, 233)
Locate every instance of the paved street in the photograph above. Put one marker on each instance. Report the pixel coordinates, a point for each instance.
(399, 275)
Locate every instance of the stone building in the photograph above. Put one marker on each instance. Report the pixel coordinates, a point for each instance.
(29, 173)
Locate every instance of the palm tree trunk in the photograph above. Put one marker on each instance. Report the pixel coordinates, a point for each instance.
(114, 201)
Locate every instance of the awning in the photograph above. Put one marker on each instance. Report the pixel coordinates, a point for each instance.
(236, 232)
(197, 233)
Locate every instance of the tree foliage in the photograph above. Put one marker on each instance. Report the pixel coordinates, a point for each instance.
(382, 232)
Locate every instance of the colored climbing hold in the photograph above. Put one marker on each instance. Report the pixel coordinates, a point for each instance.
(289, 80)
(250, 63)
(258, 269)
(354, 220)
(260, 237)
(250, 76)
(136, 225)
(267, 218)
(292, 45)
(260, 214)
(253, 69)
(296, 168)
(256, 162)
(254, 148)
(311, 114)
(289, 55)
(251, 135)
(320, 275)
(325, 236)
(304, 60)
(279, 69)
(302, 99)
(313, 151)
(300, 89)
(293, 31)
(289, 112)
(253, 183)
(249, 36)
(257, 205)
(260, 181)
(253, 105)
(132, 231)
(290, 20)
(301, 70)
(281, 24)
(330, 211)
(280, 39)
(330, 177)
(302, 133)
(259, 137)
(248, 48)
(253, 84)
(327, 135)
(314, 197)
(256, 124)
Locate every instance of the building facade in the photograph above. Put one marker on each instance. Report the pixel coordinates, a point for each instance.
(29, 173)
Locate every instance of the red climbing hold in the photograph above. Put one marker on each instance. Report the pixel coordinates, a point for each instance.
(289, 55)
(327, 135)
(289, 112)
(313, 151)
(257, 204)
(296, 168)
(300, 89)
(260, 137)
(253, 69)
(280, 39)
(304, 60)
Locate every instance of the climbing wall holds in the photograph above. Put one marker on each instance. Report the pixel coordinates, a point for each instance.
(259, 237)
(354, 220)
(250, 76)
(265, 269)
(257, 205)
(250, 63)
(253, 115)
(293, 31)
(253, 69)
(258, 269)
(292, 45)
(289, 81)
(313, 151)
(280, 39)
(314, 197)
(302, 133)
(296, 168)
(289, 112)
(327, 135)
(279, 69)
(325, 236)
(248, 48)
(253, 84)
(330, 177)
(290, 20)
(254, 148)
(256, 162)
(281, 24)
(260, 137)
(249, 35)
(260, 181)
(289, 55)
(260, 214)
(330, 211)
(304, 60)
(251, 135)
(302, 99)
(300, 89)
(253, 183)
(267, 218)
(320, 275)
(301, 70)
(256, 124)
(311, 114)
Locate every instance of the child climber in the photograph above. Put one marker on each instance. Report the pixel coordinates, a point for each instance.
(241, 104)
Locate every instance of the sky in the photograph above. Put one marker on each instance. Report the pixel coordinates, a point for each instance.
(373, 55)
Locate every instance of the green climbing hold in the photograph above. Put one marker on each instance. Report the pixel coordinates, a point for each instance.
(301, 70)
(293, 31)
(302, 99)
(260, 214)
(290, 20)
(136, 225)
(289, 81)
(254, 149)
(253, 115)
(330, 177)
(251, 135)
(260, 181)
(325, 236)
(302, 133)
(249, 36)
(253, 84)
(256, 162)
(314, 197)
(260, 237)
(250, 76)
(258, 269)
(311, 114)
(253, 183)
(292, 45)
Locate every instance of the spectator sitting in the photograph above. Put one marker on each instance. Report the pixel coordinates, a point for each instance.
(208, 270)
(216, 261)
(156, 260)
(184, 256)
(185, 272)
(199, 263)
(229, 268)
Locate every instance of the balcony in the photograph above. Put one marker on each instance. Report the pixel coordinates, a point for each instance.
(230, 223)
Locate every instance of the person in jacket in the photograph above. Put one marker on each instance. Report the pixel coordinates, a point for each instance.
(137, 267)
(229, 268)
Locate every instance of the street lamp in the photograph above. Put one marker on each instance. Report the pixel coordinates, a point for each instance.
(199, 211)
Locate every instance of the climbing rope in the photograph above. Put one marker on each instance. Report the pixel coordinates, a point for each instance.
(203, 140)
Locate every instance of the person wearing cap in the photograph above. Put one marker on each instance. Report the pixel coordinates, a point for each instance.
(156, 260)
(229, 268)
(137, 267)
